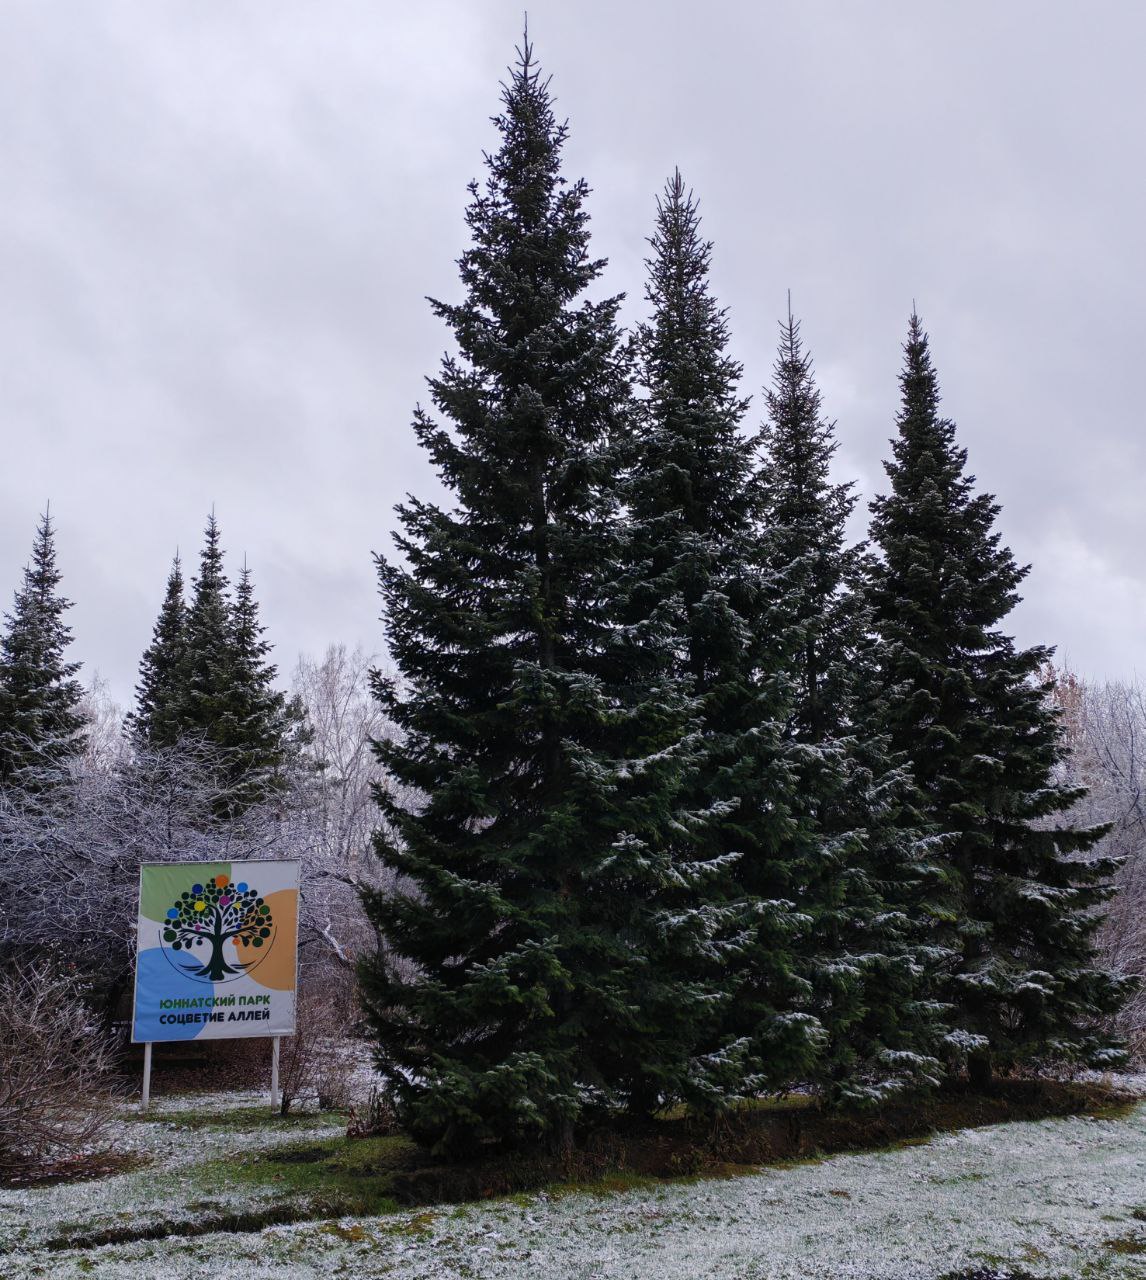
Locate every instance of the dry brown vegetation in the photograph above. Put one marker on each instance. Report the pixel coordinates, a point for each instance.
(56, 1081)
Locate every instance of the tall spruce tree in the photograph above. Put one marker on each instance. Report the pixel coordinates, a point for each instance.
(41, 723)
(534, 776)
(157, 719)
(967, 708)
(696, 559)
(861, 870)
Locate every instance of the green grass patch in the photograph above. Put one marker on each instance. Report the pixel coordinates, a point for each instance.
(236, 1119)
(335, 1176)
(295, 1182)
(1126, 1244)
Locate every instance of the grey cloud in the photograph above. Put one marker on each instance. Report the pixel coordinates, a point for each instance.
(220, 223)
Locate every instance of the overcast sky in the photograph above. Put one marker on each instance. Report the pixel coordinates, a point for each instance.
(220, 221)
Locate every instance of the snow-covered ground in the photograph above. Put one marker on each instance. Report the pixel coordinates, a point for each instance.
(1057, 1198)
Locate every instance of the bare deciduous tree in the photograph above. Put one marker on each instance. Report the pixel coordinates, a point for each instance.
(1104, 726)
(344, 719)
(105, 745)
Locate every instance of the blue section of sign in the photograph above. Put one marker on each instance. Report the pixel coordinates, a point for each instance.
(156, 982)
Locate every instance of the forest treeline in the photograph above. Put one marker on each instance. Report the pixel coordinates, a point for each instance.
(683, 796)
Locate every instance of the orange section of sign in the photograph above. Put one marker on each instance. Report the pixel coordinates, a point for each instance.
(277, 971)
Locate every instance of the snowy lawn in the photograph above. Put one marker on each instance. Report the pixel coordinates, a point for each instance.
(1055, 1198)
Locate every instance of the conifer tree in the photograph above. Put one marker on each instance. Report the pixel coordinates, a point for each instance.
(156, 720)
(967, 708)
(205, 671)
(860, 855)
(696, 560)
(206, 679)
(260, 729)
(41, 724)
(534, 775)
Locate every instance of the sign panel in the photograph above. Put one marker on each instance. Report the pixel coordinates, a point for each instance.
(218, 950)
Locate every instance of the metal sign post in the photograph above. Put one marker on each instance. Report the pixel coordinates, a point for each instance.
(145, 1101)
(275, 1073)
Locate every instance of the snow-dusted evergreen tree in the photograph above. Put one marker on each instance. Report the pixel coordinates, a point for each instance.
(515, 988)
(206, 680)
(205, 671)
(41, 721)
(260, 728)
(967, 707)
(861, 876)
(696, 562)
(156, 720)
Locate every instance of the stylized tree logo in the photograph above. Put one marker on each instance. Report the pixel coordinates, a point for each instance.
(211, 914)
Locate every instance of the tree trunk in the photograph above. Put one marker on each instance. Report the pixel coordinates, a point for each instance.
(979, 1070)
(217, 967)
(563, 1141)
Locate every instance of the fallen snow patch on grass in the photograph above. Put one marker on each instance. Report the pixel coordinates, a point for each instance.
(1056, 1198)
(176, 1140)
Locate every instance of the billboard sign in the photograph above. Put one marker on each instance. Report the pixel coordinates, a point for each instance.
(217, 950)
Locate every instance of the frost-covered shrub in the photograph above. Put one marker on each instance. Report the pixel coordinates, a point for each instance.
(56, 1084)
(319, 1059)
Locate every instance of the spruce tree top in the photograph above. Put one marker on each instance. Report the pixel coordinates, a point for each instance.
(696, 463)
(40, 719)
(952, 579)
(259, 727)
(806, 516)
(536, 400)
(205, 674)
(805, 509)
(156, 720)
